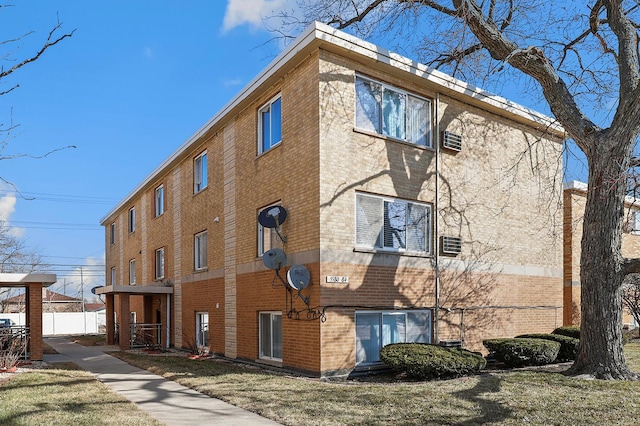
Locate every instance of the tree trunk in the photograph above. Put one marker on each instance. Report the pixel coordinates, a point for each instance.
(601, 270)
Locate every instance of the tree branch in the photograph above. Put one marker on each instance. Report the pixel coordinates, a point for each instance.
(49, 43)
(631, 266)
(531, 61)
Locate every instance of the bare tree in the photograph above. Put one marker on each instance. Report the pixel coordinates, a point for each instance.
(9, 65)
(15, 256)
(583, 58)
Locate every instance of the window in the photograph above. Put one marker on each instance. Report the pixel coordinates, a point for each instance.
(159, 201)
(202, 329)
(374, 330)
(392, 112)
(270, 125)
(200, 173)
(132, 272)
(271, 335)
(160, 263)
(395, 225)
(112, 233)
(267, 237)
(113, 275)
(200, 250)
(132, 219)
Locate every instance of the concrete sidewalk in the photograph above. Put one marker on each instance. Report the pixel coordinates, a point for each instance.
(165, 400)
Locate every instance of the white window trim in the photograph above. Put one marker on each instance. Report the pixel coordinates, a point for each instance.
(132, 272)
(271, 314)
(159, 268)
(112, 233)
(429, 142)
(428, 229)
(390, 312)
(159, 201)
(200, 172)
(264, 107)
(197, 249)
(113, 275)
(131, 218)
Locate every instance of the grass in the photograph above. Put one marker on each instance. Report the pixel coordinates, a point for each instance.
(505, 398)
(89, 339)
(64, 397)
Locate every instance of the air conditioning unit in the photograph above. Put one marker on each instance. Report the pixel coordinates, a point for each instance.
(451, 141)
(451, 245)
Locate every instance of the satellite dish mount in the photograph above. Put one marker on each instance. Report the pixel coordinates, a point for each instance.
(273, 217)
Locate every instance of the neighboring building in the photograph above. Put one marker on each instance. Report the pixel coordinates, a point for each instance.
(575, 199)
(424, 209)
(51, 302)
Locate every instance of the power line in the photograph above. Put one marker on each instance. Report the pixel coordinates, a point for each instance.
(55, 225)
(39, 196)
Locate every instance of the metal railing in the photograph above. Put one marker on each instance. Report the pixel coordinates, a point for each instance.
(14, 340)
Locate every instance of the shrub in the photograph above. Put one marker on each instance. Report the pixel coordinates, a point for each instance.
(568, 345)
(571, 331)
(425, 361)
(522, 352)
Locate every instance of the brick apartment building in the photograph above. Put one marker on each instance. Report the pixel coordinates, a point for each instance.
(423, 209)
(575, 198)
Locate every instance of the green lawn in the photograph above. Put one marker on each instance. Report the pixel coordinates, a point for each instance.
(530, 397)
(64, 397)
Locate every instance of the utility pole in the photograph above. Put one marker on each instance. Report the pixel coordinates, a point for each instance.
(84, 315)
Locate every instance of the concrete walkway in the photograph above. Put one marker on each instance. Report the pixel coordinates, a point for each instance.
(165, 400)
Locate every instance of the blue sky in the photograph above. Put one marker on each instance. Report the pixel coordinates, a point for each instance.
(135, 81)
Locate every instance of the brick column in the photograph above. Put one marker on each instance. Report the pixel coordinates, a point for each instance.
(111, 324)
(34, 320)
(125, 322)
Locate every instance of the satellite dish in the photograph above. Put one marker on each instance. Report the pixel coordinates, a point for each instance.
(93, 290)
(298, 277)
(274, 259)
(272, 217)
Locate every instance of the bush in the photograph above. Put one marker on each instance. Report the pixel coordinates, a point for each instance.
(425, 361)
(568, 345)
(571, 331)
(522, 352)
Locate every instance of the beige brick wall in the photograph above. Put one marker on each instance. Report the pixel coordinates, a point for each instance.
(508, 253)
(574, 205)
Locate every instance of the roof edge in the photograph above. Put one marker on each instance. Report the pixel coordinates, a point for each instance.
(319, 32)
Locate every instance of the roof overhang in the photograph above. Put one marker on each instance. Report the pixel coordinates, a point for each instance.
(22, 280)
(133, 289)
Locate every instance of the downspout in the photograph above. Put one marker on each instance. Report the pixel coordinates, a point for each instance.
(436, 244)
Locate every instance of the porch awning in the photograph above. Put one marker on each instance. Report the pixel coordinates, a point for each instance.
(20, 280)
(134, 289)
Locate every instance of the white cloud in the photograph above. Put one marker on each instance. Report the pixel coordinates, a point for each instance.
(82, 280)
(7, 208)
(251, 12)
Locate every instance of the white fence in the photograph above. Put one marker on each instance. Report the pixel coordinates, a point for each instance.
(62, 323)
